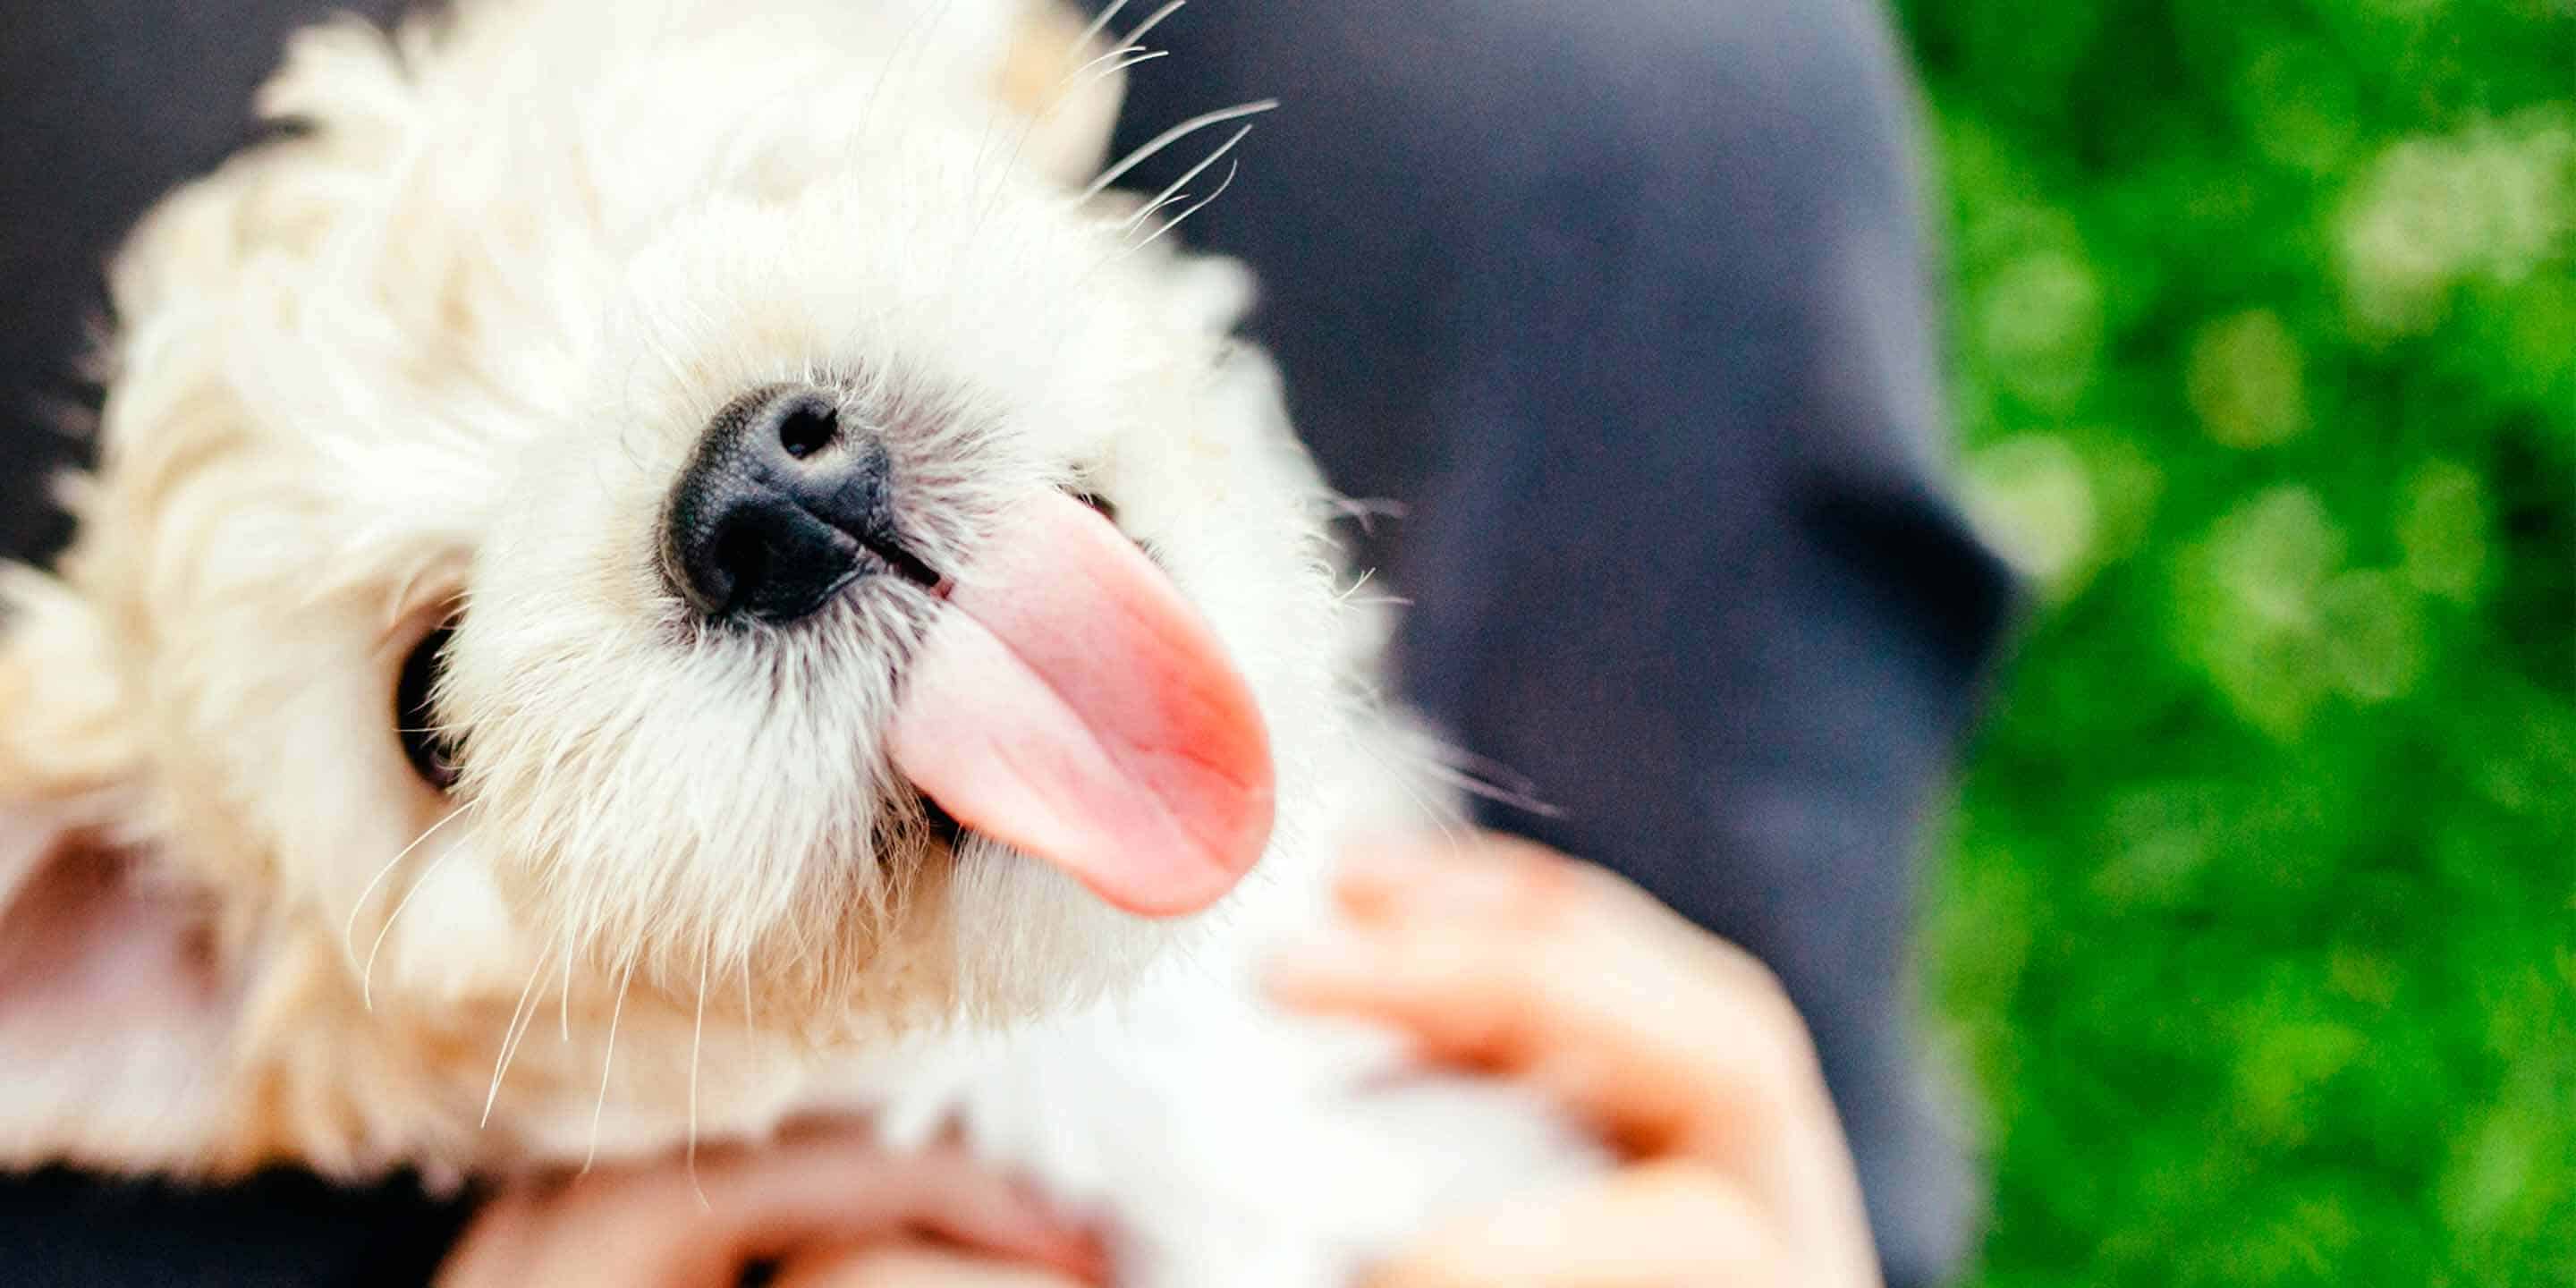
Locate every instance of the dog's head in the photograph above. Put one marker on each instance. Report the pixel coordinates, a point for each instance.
(662, 502)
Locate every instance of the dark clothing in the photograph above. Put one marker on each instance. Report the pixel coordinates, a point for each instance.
(1628, 304)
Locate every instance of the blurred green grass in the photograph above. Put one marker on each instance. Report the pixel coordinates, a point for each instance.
(2258, 934)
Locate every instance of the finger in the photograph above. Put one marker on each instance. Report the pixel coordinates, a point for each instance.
(497, 1247)
(1669, 1041)
(841, 1189)
(1499, 883)
(912, 1266)
(1647, 1227)
(1384, 878)
(1505, 882)
(653, 1225)
(1531, 967)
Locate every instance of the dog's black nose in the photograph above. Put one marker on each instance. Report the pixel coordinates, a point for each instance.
(783, 504)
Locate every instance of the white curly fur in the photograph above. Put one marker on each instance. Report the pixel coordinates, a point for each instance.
(443, 351)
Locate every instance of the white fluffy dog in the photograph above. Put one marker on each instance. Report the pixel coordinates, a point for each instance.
(598, 625)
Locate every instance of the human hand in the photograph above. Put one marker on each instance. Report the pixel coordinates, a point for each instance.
(829, 1207)
(1677, 1047)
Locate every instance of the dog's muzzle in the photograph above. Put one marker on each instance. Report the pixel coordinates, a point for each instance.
(785, 502)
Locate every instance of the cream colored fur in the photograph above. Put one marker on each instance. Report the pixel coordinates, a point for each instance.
(443, 351)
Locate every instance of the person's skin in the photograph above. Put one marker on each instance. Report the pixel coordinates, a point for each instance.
(1496, 956)
(1677, 1047)
(804, 1203)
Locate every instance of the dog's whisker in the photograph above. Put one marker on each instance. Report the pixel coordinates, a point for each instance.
(1175, 191)
(1128, 51)
(1445, 820)
(1073, 81)
(563, 1009)
(349, 932)
(607, 1062)
(512, 1034)
(1489, 778)
(1140, 216)
(1203, 202)
(1099, 24)
(367, 973)
(1071, 84)
(697, 1040)
(1174, 135)
(1135, 58)
(1153, 20)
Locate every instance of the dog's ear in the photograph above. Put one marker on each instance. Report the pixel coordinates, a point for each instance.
(1060, 76)
(112, 1019)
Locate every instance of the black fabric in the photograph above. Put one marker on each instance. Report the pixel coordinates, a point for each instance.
(104, 106)
(1628, 304)
(279, 1230)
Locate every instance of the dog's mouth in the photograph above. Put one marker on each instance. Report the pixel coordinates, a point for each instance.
(894, 558)
(1065, 701)
(1070, 703)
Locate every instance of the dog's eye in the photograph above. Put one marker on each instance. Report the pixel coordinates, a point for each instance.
(1108, 509)
(432, 750)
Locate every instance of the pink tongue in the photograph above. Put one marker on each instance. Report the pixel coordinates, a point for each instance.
(1070, 703)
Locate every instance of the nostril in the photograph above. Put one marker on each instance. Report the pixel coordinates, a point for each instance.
(808, 427)
(741, 562)
(779, 507)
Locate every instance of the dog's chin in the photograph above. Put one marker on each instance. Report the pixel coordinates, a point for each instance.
(1027, 940)
(995, 940)
(957, 931)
